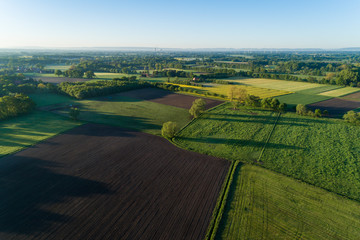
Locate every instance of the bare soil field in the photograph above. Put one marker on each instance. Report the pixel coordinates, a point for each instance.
(102, 182)
(336, 106)
(61, 79)
(168, 98)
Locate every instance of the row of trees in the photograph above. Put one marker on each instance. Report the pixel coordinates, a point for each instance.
(12, 106)
(75, 73)
(304, 111)
(81, 90)
(239, 96)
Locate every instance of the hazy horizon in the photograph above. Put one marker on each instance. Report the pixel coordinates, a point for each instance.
(187, 24)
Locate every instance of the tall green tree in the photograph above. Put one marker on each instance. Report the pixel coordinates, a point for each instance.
(169, 129)
(197, 107)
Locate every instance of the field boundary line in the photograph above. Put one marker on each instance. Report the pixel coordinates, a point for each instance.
(268, 139)
(221, 203)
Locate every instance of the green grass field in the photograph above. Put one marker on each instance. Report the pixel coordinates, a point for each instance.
(266, 205)
(340, 92)
(299, 98)
(39, 75)
(109, 76)
(227, 133)
(323, 152)
(43, 99)
(24, 131)
(130, 113)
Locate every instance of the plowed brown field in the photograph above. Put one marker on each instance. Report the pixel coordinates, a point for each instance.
(336, 106)
(101, 182)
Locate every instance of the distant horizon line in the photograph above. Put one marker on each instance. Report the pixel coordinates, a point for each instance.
(181, 49)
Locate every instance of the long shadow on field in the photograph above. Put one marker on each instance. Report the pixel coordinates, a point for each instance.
(32, 192)
(239, 142)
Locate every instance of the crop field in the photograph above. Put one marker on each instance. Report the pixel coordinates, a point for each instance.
(352, 97)
(319, 90)
(257, 91)
(102, 182)
(336, 107)
(43, 99)
(58, 67)
(109, 76)
(297, 98)
(24, 131)
(128, 112)
(290, 86)
(168, 98)
(323, 152)
(231, 134)
(340, 92)
(266, 205)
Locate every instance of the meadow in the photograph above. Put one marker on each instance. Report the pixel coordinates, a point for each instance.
(24, 131)
(129, 113)
(266, 205)
(44, 99)
(228, 133)
(322, 152)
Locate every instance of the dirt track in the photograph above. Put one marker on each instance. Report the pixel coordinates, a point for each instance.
(101, 182)
(168, 98)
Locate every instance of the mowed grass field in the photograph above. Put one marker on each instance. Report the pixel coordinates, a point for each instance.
(266, 205)
(129, 113)
(257, 91)
(340, 92)
(24, 131)
(58, 67)
(290, 86)
(232, 134)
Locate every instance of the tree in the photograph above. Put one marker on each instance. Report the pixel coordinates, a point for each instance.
(317, 113)
(275, 104)
(266, 103)
(301, 109)
(352, 117)
(231, 95)
(74, 113)
(58, 72)
(89, 74)
(282, 107)
(197, 107)
(252, 100)
(240, 95)
(169, 129)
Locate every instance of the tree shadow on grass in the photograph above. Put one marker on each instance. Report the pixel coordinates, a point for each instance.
(31, 187)
(239, 142)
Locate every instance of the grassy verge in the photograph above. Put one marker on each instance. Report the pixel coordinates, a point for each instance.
(221, 203)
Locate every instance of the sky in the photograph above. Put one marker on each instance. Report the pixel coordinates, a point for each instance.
(180, 24)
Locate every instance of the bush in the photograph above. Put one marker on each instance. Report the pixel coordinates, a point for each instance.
(169, 129)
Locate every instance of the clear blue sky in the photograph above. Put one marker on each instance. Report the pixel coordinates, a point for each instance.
(180, 24)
